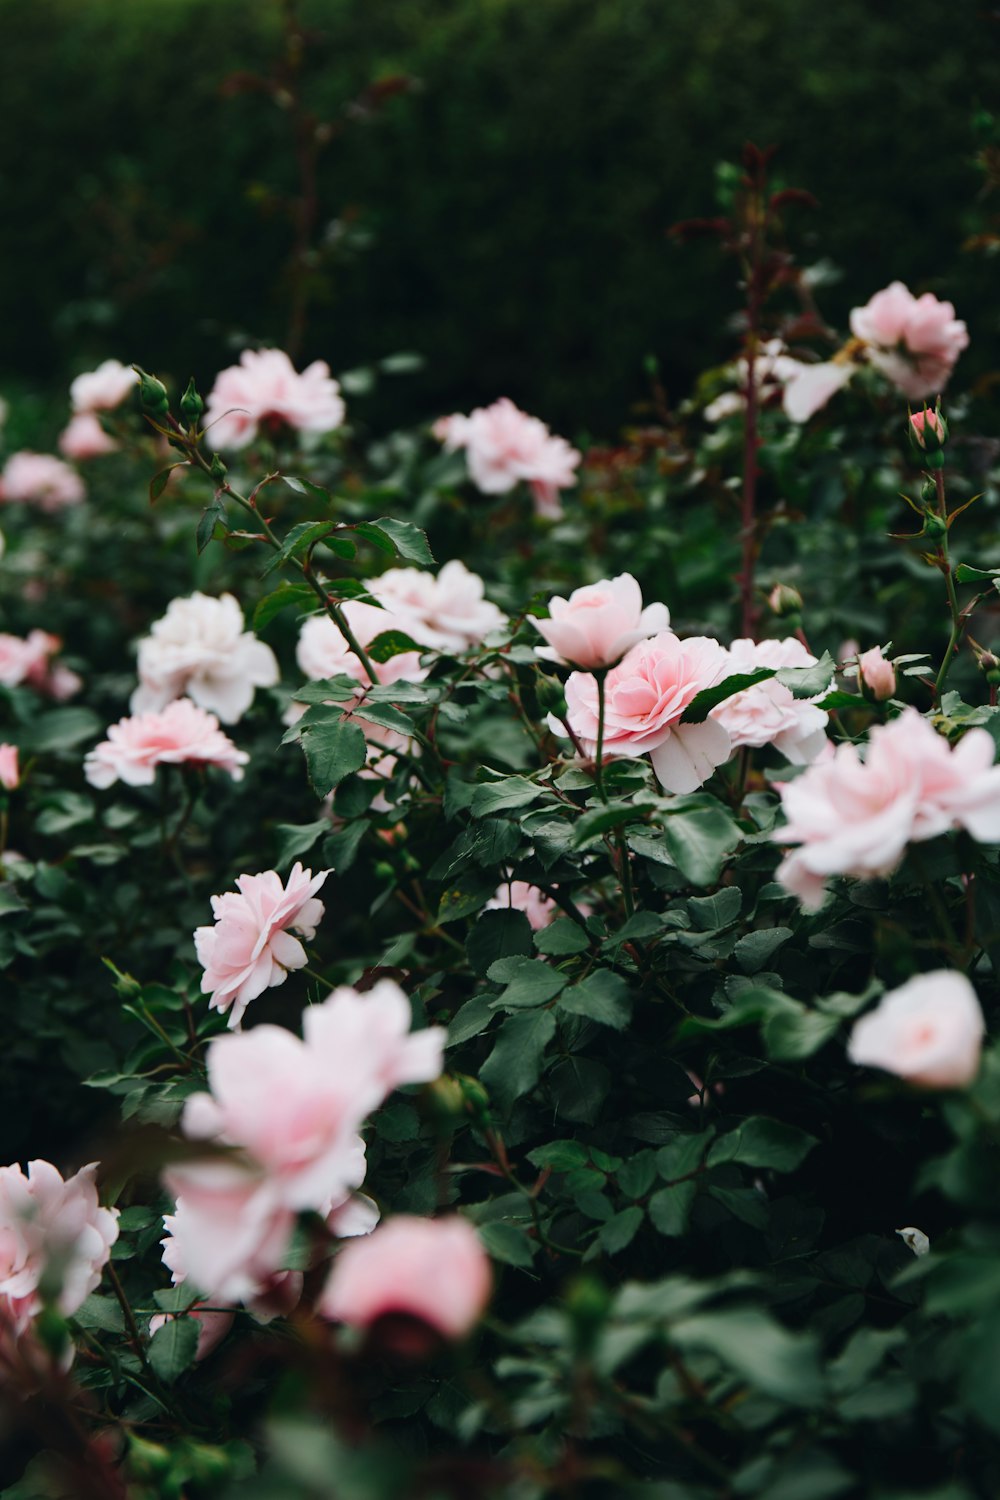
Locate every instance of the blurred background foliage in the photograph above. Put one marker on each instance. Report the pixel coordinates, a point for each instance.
(500, 205)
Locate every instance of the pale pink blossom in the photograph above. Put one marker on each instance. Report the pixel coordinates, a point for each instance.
(323, 652)
(200, 649)
(645, 698)
(913, 341)
(83, 437)
(447, 612)
(28, 662)
(358, 1214)
(228, 1234)
(768, 713)
(432, 1269)
(52, 1230)
(598, 623)
(518, 895)
(809, 387)
(503, 446)
(265, 390)
(41, 479)
(213, 1325)
(181, 735)
(854, 817)
(104, 388)
(250, 948)
(376, 1024)
(877, 674)
(773, 365)
(929, 1031)
(10, 775)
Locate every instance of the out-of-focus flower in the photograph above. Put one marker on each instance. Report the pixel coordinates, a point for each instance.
(447, 612)
(323, 652)
(784, 600)
(228, 1233)
(928, 1031)
(29, 662)
(10, 775)
(809, 387)
(914, 341)
(265, 390)
(768, 713)
(250, 947)
(503, 446)
(598, 623)
(773, 365)
(914, 1239)
(877, 675)
(200, 649)
(645, 697)
(104, 388)
(52, 1232)
(854, 817)
(40, 479)
(432, 1269)
(181, 734)
(84, 437)
(518, 895)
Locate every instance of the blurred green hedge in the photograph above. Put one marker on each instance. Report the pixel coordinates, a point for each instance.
(516, 200)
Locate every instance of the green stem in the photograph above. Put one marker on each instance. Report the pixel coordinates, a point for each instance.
(957, 622)
(600, 675)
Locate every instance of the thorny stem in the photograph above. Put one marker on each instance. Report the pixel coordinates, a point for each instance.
(957, 620)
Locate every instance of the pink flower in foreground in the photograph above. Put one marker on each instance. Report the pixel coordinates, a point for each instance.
(503, 446)
(104, 388)
(182, 735)
(810, 387)
(265, 389)
(854, 817)
(376, 1025)
(518, 895)
(10, 775)
(228, 1234)
(768, 714)
(84, 437)
(41, 479)
(52, 1229)
(432, 1269)
(914, 341)
(29, 662)
(929, 1031)
(447, 612)
(598, 623)
(877, 675)
(645, 697)
(251, 948)
(200, 649)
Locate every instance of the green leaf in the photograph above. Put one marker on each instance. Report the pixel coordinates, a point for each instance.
(756, 949)
(782, 1364)
(670, 1208)
(172, 1348)
(390, 643)
(702, 703)
(507, 1243)
(515, 1064)
(603, 996)
(301, 537)
(965, 573)
(792, 1035)
(465, 896)
(501, 796)
(471, 1019)
(333, 750)
(700, 841)
(10, 900)
(297, 839)
(159, 481)
(682, 1155)
(528, 982)
(745, 1204)
(61, 729)
(497, 934)
(620, 1231)
(760, 1142)
(560, 1156)
(636, 1176)
(710, 913)
(562, 938)
(214, 523)
(103, 1313)
(599, 820)
(808, 682)
(282, 597)
(401, 536)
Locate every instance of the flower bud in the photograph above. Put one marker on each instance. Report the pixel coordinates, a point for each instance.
(877, 676)
(935, 526)
(928, 429)
(784, 600)
(10, 775)
(192, 405)
(928, 492)
(152, 393)
(217, 469)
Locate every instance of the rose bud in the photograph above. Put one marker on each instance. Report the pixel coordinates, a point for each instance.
(877, 676)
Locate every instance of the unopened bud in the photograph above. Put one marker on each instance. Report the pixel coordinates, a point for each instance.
(152, 393)
(192, 405)
(587, 1303)
(928, 429)
(217, 469)
(784, 600)
(876, 676)
(474, 1094)
(928, 492)
(446, 1098)
(934, 526)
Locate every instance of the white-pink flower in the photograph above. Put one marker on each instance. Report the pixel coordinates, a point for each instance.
(503, 446)
(645, 698)
(929, 1031)
(375, 1025)
(41, 479)
(432, 1269)
(228, 1234)
(914, 341)
(809, 387)
(29, 662)
(54, 1230)
(854, 817)
(200, 649)
(518, 895)
(104, 388)
(877, 675)
(83, 437)
(447, 612)
(598, 623)
(768, 714)
(250, 948)
(773, 365)
(182, 734)
(265, 390)
(323, 652)
(10, 775)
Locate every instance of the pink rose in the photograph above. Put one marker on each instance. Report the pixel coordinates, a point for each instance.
(504, 446)
(200, 649)
(10, 775)
(928, 1031)
(228, 1233)
(84, 437)
(518, 895)
(323, 652)
(773, 365)
(251, 947)
(264, 389)
(927, 422)
(597, 624)
(447, 613)
(182, 734)
(29, 662)
(877, 675)
(376, 1025)
(51, 1225)
(914, 341)
(42, 480)
(645, 697)
(432, 1269)
(768, 714)
(810, 387)
(104, 388)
